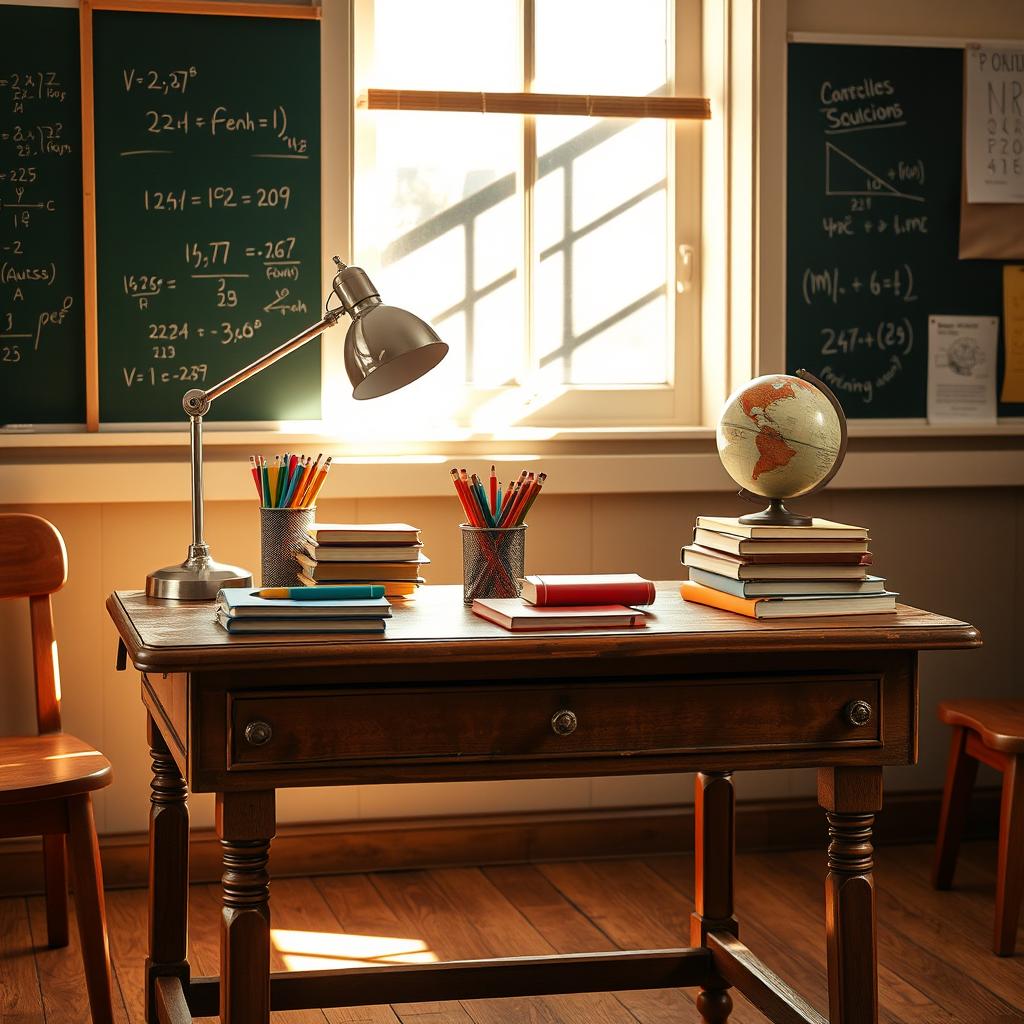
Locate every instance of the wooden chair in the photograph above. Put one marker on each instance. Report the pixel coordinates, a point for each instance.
(991, 731)
(46, 780)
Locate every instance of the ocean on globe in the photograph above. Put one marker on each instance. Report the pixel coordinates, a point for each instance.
(778, 436)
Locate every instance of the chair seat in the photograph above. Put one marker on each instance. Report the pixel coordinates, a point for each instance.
(998, 723)
(49, 767)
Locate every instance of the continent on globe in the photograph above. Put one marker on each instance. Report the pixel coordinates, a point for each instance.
(757, 401)
(779, 436)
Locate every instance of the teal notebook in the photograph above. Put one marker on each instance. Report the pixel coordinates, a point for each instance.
(240, 602)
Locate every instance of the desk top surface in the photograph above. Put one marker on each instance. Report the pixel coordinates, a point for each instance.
(169, 636)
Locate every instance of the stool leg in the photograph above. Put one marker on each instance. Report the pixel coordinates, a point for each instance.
(55, 869)
(92, 920)
(960, 775)
(1010, 875)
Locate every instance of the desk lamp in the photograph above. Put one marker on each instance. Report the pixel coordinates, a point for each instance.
(385, 349)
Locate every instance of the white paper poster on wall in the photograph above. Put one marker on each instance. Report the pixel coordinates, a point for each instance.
(994, 125)
(962, 369)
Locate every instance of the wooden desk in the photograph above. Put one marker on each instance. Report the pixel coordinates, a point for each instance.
(447, 696)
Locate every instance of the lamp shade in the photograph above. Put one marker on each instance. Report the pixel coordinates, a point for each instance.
(387, 348)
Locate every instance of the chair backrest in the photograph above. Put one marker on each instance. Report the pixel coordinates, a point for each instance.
(34, 564)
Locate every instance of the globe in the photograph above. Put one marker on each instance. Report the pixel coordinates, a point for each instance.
(780, 436)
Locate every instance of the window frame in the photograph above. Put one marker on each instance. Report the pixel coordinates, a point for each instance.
(672, 405)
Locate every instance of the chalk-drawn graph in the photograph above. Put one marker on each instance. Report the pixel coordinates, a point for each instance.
(845, 176)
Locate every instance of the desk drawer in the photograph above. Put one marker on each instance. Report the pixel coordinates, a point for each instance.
(551, 720)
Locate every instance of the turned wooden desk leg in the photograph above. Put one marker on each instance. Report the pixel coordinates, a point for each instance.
(245, 825)
(851, 796)
(168, 871)
(714, 860)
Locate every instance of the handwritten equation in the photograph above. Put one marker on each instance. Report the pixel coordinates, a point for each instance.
(40, 231)
(209, 182)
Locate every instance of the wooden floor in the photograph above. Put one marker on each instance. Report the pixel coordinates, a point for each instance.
(936, 966)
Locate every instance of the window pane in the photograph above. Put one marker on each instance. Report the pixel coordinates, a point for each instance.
(446, 44)
(437, 212)
(602, 219)
(602, 46)
(602, 240)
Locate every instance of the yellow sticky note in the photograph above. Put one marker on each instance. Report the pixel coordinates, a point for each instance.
(1013, 327)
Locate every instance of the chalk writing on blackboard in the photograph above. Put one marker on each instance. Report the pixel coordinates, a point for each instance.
(208, 184)
(41, 338)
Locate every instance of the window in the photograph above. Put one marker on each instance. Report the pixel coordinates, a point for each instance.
(547, 251)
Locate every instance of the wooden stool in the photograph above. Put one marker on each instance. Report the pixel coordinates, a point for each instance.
(991, 731)
(46, 781)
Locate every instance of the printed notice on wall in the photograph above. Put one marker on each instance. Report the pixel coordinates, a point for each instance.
(1013, 334)
(994, 125)
(962, 369)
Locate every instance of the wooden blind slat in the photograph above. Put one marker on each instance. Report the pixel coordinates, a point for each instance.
(665, 107)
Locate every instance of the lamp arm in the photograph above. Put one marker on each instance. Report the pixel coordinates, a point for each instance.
(196, 404)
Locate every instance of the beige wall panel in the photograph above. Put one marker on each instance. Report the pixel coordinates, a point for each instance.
(992, 19)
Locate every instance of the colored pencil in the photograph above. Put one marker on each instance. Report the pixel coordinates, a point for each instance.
(494, 494)
(309, 481)
(532, 498)
(310, 500)
(256, 477)
(266, 480)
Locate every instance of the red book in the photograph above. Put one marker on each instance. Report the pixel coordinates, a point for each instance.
(618, 588)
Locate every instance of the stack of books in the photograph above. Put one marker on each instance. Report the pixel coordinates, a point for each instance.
(572, 602)
(389, 554)
(782, 572)
(349, 610)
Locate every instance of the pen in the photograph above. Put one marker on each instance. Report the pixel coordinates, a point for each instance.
(321, 593)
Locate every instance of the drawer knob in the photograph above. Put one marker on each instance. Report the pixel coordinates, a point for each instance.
(258, 733)
(858, 713)
(564, 723)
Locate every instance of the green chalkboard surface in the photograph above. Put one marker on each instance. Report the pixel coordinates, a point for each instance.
(208, 211)
(873, 165)
(42, 341)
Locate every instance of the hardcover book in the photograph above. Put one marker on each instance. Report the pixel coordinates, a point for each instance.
(820, 529)
(294, 625)
(364, 533)
(767, 546)
(787, 558)
(361, 552)
(351, 572)
(794, 606)
(618, 588)
(776, 588)
(515, 615)
(741, 569)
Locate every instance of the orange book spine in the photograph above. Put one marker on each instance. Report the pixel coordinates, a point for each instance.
(698, 594)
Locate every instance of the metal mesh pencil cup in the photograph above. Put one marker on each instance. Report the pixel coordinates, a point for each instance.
(282, 531)
(492, 561)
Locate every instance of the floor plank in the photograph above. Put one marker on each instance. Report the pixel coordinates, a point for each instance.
(935, 963)
(21, 998)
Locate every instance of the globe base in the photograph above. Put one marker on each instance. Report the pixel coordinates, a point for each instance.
(776, 514)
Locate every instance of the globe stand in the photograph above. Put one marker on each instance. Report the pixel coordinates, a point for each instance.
(776, 514)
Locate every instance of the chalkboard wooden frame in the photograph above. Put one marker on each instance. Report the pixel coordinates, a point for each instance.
(86, 8)
(1007, 419)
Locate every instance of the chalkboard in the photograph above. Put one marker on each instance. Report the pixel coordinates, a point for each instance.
(42, 347)
(873, 165)
(208, 211)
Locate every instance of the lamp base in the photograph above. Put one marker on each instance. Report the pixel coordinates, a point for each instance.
(198, 578)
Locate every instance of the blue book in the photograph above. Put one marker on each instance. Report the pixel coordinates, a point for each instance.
(242, 603)
(787, 588)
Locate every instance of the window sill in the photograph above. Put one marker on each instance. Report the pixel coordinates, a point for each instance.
(129, 467)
